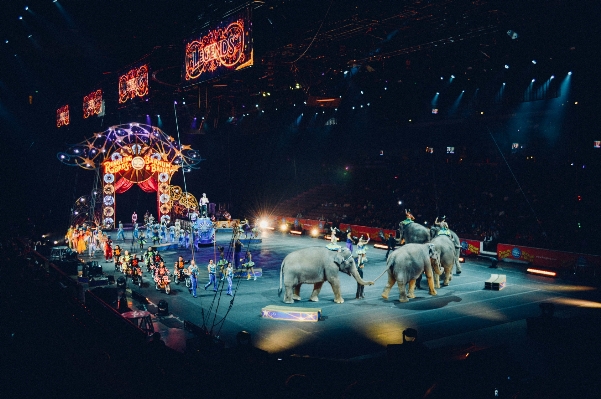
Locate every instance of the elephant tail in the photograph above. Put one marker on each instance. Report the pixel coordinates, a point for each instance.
(281, 275)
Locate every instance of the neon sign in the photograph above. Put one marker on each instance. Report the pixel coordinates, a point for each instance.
(92, 104)
(62, 116)
(148, 163)
(133, 84)
(220, 49)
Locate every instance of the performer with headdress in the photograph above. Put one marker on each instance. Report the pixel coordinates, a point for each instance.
(333, 239)
(248, 264)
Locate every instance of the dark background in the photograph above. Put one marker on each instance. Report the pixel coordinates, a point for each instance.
(390, 54)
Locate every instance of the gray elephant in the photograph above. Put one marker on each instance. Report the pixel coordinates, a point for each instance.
(408, 263)
(455, 238)
(447, 257)
(413, 232)
(315, 266)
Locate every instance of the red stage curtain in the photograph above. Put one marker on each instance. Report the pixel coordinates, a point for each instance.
(149, 186)
(122, 185)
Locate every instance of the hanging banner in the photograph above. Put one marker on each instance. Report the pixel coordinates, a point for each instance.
(219, 49)
(62, 116)
(134, 83)
(92, 104)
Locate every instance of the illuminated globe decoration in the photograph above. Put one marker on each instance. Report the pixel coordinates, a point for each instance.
(131, 154)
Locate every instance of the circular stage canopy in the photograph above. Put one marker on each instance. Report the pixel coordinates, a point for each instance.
(133, 139)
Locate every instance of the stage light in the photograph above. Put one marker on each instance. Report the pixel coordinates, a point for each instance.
(533, 80)
(29, 37)
(437, 93)
(503, 83)
(283, 227)
(263, 224)
(20, 17)
(534, 62)
(441, 78)
(26, 8)
(570, 73)
(452, 76)
(541, 272)
(314, 232)
(552, 77)
(386, 88)
(506, 66)
(361, 91)
(295, 232)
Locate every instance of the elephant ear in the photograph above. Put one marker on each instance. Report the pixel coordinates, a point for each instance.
(338, 259)
(433, 252)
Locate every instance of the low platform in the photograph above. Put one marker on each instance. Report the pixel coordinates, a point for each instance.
(290, 313)
(496, 282)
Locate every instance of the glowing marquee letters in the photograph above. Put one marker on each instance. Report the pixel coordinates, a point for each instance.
(133, 84)
(129, 162)
(224, 47)
(92, 104)
(62, 116)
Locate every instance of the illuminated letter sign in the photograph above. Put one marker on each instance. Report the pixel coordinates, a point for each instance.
(223, 48)
(62, 116)
(133, 84)
(92, 104)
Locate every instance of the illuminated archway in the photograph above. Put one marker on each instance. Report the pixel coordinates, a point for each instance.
(133, 154)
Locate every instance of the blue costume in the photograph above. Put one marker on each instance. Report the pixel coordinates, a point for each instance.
(229, 274)
(349, 242)
(120, 232)
(171, 233)
(212, 278)
(193, 269)
(136, 231)
(163, 233)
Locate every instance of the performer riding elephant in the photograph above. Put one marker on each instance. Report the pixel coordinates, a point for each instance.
(441, 228)
(411, 231)
(315, 266)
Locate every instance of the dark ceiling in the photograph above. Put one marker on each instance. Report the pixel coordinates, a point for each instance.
(76, 45)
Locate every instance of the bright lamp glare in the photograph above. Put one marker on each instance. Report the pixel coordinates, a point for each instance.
(263, 224)
(283, 227)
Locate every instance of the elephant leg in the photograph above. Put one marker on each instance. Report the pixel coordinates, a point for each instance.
(315, 293)
(431, 278)
(296, 294)
(436, 279)
(457, 264)
(288, 295)
(410, 294)
(336, 288)
(448, 276)
(388, 286)
(402, 293)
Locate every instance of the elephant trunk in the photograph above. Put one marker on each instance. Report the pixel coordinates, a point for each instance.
(357, 277)
(436, 268)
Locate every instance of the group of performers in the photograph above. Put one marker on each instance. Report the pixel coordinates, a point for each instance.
(86, 238)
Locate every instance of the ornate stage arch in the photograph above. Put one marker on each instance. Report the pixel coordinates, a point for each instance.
(139, 154)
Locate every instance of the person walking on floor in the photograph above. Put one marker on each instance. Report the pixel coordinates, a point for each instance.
(229, 274)
(193, 270)
(212, 268)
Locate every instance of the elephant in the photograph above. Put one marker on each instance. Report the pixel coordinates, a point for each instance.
(413, 233)
(408, 263)
(455, 238)
(315, 266)
(447, 257)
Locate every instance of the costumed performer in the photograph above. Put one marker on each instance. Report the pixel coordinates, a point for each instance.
(212, 268)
